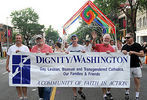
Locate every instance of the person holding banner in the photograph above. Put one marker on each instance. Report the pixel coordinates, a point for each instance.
(135, 51)
(41, 47)
(104, 47)
(18, 47)
(75, 47)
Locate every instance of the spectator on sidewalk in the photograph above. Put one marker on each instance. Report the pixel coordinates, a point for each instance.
(18, 47)
(144, 46)
(41, 47)
(135, 51)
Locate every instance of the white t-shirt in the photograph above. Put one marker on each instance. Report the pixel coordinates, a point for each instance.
(14, 48)
(88, 48)
(78, 48)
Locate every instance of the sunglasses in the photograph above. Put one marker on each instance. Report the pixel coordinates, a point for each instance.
(74, 38)
(127, 37)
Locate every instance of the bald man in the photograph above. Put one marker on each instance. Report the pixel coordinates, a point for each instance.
(104, 47)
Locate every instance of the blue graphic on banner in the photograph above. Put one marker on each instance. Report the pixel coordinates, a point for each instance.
(21, 69)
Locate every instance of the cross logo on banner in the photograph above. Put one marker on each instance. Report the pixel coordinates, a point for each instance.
(21, 69)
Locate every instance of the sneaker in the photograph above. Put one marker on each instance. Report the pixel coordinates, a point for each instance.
(109, 95)
(20, 98)
(82, 95)
(137, 98)
(105, 98)
(126, 96)
(75, 98)
(40, 98)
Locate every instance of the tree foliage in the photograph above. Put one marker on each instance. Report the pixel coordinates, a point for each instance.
(26, 22)
(112, 9)
(84, 31)
(51, 35)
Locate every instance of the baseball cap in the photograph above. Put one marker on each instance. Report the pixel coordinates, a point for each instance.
(39, 37)
(87, 40)
(74, 35)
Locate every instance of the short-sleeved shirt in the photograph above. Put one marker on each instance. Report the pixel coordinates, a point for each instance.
(45, 49)
(134, 58)
(78, 48)
(14, 48)
(103, 48)
(88, 48)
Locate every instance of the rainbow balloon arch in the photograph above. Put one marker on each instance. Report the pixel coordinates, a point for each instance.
(89, 13)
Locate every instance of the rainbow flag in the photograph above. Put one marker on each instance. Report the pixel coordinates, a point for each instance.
(89, 13)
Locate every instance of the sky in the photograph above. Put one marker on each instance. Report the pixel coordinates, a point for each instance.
(51, 12)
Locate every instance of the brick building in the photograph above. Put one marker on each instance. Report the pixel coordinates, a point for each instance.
(4, 31)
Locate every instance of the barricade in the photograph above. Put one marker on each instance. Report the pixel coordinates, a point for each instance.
(4, 54)
(146, 59)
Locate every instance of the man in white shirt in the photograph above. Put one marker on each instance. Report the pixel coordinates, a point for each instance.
(18, 47)
(75, 47)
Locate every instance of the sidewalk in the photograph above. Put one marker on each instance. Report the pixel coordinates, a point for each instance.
(2, 60)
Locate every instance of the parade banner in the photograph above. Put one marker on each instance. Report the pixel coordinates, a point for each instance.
(70, 70)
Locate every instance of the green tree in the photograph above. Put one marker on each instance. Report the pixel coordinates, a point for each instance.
(85, 30)
(112, 8)
(26, 21)
(51, 35)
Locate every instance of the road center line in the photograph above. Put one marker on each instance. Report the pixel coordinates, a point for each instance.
(53, 93)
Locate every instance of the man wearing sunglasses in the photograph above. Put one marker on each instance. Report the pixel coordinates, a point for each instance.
(75, 47)
(135, 51)
(41, 47)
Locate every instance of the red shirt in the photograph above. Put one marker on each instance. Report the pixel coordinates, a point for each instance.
(45, 49)
(103, 48)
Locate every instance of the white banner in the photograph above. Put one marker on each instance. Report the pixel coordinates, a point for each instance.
(70, 70)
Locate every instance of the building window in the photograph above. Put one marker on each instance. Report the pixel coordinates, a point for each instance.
(137, 38)
(144, 21)
(139, 23)
(144, 38)
(1, 29)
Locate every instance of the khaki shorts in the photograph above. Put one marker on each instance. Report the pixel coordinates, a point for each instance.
(136, 72)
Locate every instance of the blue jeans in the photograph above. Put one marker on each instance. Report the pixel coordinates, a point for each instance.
(47, 93)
